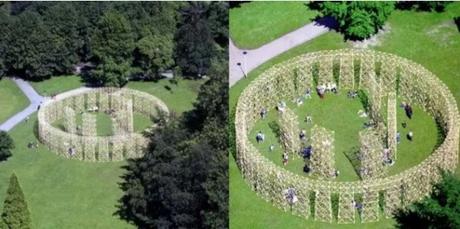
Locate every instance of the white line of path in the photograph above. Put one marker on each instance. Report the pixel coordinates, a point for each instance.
(243, 61)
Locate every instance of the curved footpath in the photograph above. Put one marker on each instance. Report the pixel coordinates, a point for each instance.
(35, 100)
(256, 57)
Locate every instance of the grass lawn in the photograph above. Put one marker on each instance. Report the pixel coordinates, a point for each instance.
(57, 84)
(346, 141)
(430, 39)
(257, 23)
(64, 193)
(12, 100)
(179, 97)
(104, 123)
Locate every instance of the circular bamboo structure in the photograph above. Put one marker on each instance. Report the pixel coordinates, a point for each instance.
(289, 80)
(83, 143)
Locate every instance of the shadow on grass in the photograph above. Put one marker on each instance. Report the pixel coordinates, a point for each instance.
(352, 156)
(275, 128)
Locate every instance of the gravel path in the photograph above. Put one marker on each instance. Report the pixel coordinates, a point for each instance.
(255, 57)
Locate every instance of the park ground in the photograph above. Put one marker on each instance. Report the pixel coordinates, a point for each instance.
(64, 193)
(430, 39)
(257, 23)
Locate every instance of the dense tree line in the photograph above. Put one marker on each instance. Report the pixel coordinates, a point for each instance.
(182, 181)
(123, 40)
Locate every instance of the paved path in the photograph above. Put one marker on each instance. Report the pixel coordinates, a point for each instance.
(35, 100)
(255, 57)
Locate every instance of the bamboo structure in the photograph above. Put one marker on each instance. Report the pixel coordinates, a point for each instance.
(417, 85)
(289, 126)
(322, 160)
(87, 145)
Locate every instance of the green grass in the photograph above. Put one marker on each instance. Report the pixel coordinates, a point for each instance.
(178, 97)
(339, 113)
(412, 37)
(104, 123)
(12, 100)
(257, 23)
(57, 85)
(62, 193)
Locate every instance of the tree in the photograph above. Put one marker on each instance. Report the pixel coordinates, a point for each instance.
(6, 145)
(154, 54)
(218, 22)
(15, 212)
(109, 73)
(360, 25)
(440, 210)
(112, 45)
(194, 41)
(182, 180)
(357, 20)
(437, 6)
(62, 20)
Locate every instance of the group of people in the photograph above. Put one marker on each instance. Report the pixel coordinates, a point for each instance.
(32, 145)
(328, 87)
(409, 112)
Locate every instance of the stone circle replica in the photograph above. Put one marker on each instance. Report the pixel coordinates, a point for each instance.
(290, 79)
(82, 143)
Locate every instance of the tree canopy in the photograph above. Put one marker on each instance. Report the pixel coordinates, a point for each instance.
(440, 210)
(15, 212)
(182, 180)
(6, 145)
(44, 39)
(357, 20)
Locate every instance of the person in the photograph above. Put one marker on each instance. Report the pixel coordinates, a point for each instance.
(362, 114)
(386, 155)
(306, 152)
(27, 119)
(334, 88)
(281, 106)
(408, 110)
(38, 107)
(308, 93)
(308, 119)
(352, 94)
(285, 158)
(302, 135)
(260, 137)
(71, 151)
(299, 101)
(410, 136)
(263, 113)
(336, 173)
(306, 169)
(398, 137)
(320, 89)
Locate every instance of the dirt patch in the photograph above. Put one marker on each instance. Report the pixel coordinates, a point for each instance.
(373, 41)
(443, 33)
